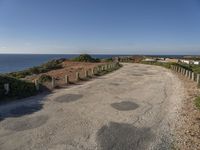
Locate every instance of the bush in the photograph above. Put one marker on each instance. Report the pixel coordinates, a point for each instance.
(18, 88)
(44, 78)
(85, 58)
(197, 102)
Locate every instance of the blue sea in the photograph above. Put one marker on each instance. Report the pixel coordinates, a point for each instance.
(17, 62)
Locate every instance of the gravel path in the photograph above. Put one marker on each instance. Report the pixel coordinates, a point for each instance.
(133, 108)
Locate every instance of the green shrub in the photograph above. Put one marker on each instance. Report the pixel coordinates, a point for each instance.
(197, 102)
(44, 78)
(85, 58)
(18, 88)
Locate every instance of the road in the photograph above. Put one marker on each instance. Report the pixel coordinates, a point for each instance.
(133, 108)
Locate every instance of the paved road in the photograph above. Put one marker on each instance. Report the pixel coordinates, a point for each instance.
(132, 108)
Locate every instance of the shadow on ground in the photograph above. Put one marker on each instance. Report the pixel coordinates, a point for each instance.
(21, 108)
(68, 98)
(25, 123)
(121, 136)
(125, 106)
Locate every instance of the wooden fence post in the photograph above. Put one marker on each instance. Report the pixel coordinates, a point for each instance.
(36, 84)
(66, 79)
(198, 78)
(190, 74)
(178, 69)
(186, 73)
(53, 82)
(95, 70)
(172, 67)
(7, 88)
(92, 70)
(102, 68)
(98, 69)
(193, 79)
(86, 73)
(77, 76)
(105, 66)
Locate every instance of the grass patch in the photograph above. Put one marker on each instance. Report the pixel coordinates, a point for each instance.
(197, 102)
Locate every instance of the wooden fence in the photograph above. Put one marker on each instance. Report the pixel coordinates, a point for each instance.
(187, 73)
(87, 73)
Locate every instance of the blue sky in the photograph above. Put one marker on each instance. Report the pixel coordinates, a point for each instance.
(100, 26)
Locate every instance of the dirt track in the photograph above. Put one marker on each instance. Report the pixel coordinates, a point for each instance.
(129, 109)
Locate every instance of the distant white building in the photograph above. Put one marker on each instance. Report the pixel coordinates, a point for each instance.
(190, 62)
(185, 61)
(196, 62)
(149, 60)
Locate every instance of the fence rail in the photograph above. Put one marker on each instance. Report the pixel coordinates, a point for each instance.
(187, 73)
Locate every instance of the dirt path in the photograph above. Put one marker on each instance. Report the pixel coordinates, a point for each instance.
(132, 108)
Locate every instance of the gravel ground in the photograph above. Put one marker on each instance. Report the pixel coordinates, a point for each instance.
(188, 129)
(135, 107)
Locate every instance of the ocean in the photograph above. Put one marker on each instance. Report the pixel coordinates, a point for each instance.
(17, 62)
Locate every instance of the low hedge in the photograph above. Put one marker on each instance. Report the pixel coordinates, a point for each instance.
(44, 78)
(197, 102)
(18, 88)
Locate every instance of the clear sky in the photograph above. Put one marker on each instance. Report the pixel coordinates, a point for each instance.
(100, 26)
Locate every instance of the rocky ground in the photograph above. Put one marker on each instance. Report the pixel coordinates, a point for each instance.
(133, 108)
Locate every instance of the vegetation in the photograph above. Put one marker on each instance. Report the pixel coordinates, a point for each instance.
(18, 88)
(194, 68)
(51, 65)
(166, 65)
(85, 58)
(107, 60)
(44, 78)
(197, 102)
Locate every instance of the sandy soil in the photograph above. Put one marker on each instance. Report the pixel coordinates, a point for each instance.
(135, 107)
(69, 68)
